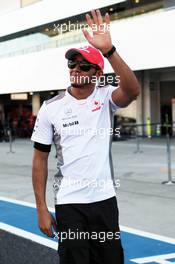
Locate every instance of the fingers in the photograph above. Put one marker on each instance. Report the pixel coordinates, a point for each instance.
(99, 17)
(52, 227)
(87, 36)
(89, 20)
(47, 224)
(95, 19)
(47, 231)
(98, 21)
(54, 223)
(107, 19)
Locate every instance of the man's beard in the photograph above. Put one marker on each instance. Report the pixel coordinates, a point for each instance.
(77, 85)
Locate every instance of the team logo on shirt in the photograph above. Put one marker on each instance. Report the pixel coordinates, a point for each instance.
(96, 105)
(68, 111)
(70, 124)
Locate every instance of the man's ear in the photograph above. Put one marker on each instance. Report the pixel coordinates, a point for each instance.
(99, 73)
(100, 77)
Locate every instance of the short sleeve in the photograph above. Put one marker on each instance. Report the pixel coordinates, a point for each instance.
(43, 130)
(113, 106)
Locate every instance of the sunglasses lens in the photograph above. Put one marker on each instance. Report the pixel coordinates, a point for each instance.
(71, 64)
(85, 67)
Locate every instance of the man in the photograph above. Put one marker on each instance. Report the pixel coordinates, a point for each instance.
(85, 200)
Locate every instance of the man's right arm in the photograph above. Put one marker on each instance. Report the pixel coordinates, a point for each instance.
(39, 178)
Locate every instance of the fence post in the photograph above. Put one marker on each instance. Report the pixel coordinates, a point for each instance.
(158, 131)
(9, 133)
(138, 150)
(170, 181)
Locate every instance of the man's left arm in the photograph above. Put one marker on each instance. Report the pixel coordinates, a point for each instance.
(129, 87)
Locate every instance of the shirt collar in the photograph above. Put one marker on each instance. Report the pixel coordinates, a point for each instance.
(80, 101)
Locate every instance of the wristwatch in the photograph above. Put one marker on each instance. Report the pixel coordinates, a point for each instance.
(110, 52)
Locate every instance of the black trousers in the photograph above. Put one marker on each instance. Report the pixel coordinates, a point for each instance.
(89, 233)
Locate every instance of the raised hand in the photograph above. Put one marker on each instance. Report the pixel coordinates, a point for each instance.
(101, 38)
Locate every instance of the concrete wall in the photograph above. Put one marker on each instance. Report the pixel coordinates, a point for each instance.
(47, 11)
(142, 47)
(8, 6)
(28, 2)
(130, 111)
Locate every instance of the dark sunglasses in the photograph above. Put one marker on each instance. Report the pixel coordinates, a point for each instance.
(83, 65)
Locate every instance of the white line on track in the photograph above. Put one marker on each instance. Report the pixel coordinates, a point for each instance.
(38, 239)
(52, 244)
(5, 199)
(147, 234)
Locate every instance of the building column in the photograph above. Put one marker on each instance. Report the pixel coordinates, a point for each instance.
(146, 101)
(2, 115)
(139, 106)
(143, 111)
(151, 101)
(35, 104)
(155, 100)
(146, 97)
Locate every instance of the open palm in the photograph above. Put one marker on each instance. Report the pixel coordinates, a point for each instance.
(101, 38)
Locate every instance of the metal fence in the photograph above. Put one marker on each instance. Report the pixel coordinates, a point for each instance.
(135, 130)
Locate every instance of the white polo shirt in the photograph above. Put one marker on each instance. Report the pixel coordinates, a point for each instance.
(82, 133)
